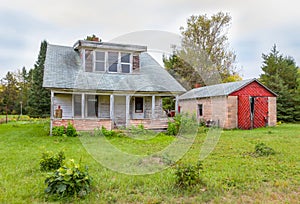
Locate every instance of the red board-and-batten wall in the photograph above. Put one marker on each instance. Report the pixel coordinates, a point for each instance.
(264, 106)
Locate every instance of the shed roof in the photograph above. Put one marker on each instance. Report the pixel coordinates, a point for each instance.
(219, 89)
(64, 70)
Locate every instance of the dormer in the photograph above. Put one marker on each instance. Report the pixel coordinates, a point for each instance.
(109, 57)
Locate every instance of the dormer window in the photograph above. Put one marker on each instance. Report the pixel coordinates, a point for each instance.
(112, 58)
(125, 62)
(109, 57)
(108, 61)
(100, 61)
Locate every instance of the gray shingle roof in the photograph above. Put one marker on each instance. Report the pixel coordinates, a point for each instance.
(63, 69)
(218, 89)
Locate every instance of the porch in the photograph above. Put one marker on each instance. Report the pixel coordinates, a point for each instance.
(87, 111)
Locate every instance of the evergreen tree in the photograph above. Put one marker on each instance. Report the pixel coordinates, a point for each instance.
(280, 74)
(39, 97)
(9, 94)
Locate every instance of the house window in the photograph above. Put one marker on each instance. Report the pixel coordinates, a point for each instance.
(92, 105)
(200, 109)
(100, 61)
(77, 105)
(139, 104)
(112, 58)
(125, 62)
(110, 61)
(88, 60)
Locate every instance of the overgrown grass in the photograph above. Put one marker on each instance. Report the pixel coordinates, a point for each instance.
(231, 173)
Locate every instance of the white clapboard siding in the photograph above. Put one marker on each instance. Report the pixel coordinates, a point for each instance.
(65, 103)
(120, 110)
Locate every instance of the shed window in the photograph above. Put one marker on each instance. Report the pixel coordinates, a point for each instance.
(200, 109)
(139, 103)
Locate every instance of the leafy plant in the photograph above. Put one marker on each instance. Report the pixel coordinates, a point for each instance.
(58, 131)
(262, 149)
(51, 161)
(185, 123)
(105, 132)
(71, 131)
(173, 126)
(139, 130)
(188, 175)
(69, 180)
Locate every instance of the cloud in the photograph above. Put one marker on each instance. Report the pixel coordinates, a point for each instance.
(256, 25)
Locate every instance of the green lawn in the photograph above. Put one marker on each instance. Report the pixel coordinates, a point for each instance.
(231, 173)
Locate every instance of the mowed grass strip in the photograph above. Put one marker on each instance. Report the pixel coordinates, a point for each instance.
(231, 173)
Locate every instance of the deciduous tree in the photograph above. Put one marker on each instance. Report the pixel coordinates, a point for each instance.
(204, 56)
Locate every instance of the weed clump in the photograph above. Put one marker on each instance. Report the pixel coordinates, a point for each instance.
(188, 175)
(262, 149)
(51, 161)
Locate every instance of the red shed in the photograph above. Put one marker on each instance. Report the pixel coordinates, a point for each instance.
(244, 104)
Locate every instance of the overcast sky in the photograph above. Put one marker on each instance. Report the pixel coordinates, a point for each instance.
(256, 26)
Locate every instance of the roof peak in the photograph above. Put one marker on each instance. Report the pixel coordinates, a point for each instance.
(108, 45)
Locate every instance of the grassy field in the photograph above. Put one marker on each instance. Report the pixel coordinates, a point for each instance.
(231, 173)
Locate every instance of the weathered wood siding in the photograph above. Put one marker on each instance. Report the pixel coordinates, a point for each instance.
(65, 103)
(120, 110)
(136, 63)
(104, 106)
(159, 112)
(88, 60)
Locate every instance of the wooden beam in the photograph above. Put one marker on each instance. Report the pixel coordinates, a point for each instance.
(176, 104)
(82, 105)
(112, 108)
(127, 116)
(153, 107)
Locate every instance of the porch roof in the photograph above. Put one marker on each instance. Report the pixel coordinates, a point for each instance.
(64, 70)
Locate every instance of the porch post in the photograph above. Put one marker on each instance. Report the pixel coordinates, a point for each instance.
(153, 106)
(112, 117)
(176, 104)
(127, 117)
(82, 105)
(51, 112)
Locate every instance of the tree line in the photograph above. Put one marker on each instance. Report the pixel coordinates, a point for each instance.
(22, 92)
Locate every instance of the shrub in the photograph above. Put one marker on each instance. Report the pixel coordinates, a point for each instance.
(107, 133)
(188, 175)
(184, 123)
(58, 131)
(69, 180)
(71, 131)
(140, 130)
(262, 149)
(173, 127)
(51, 161)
